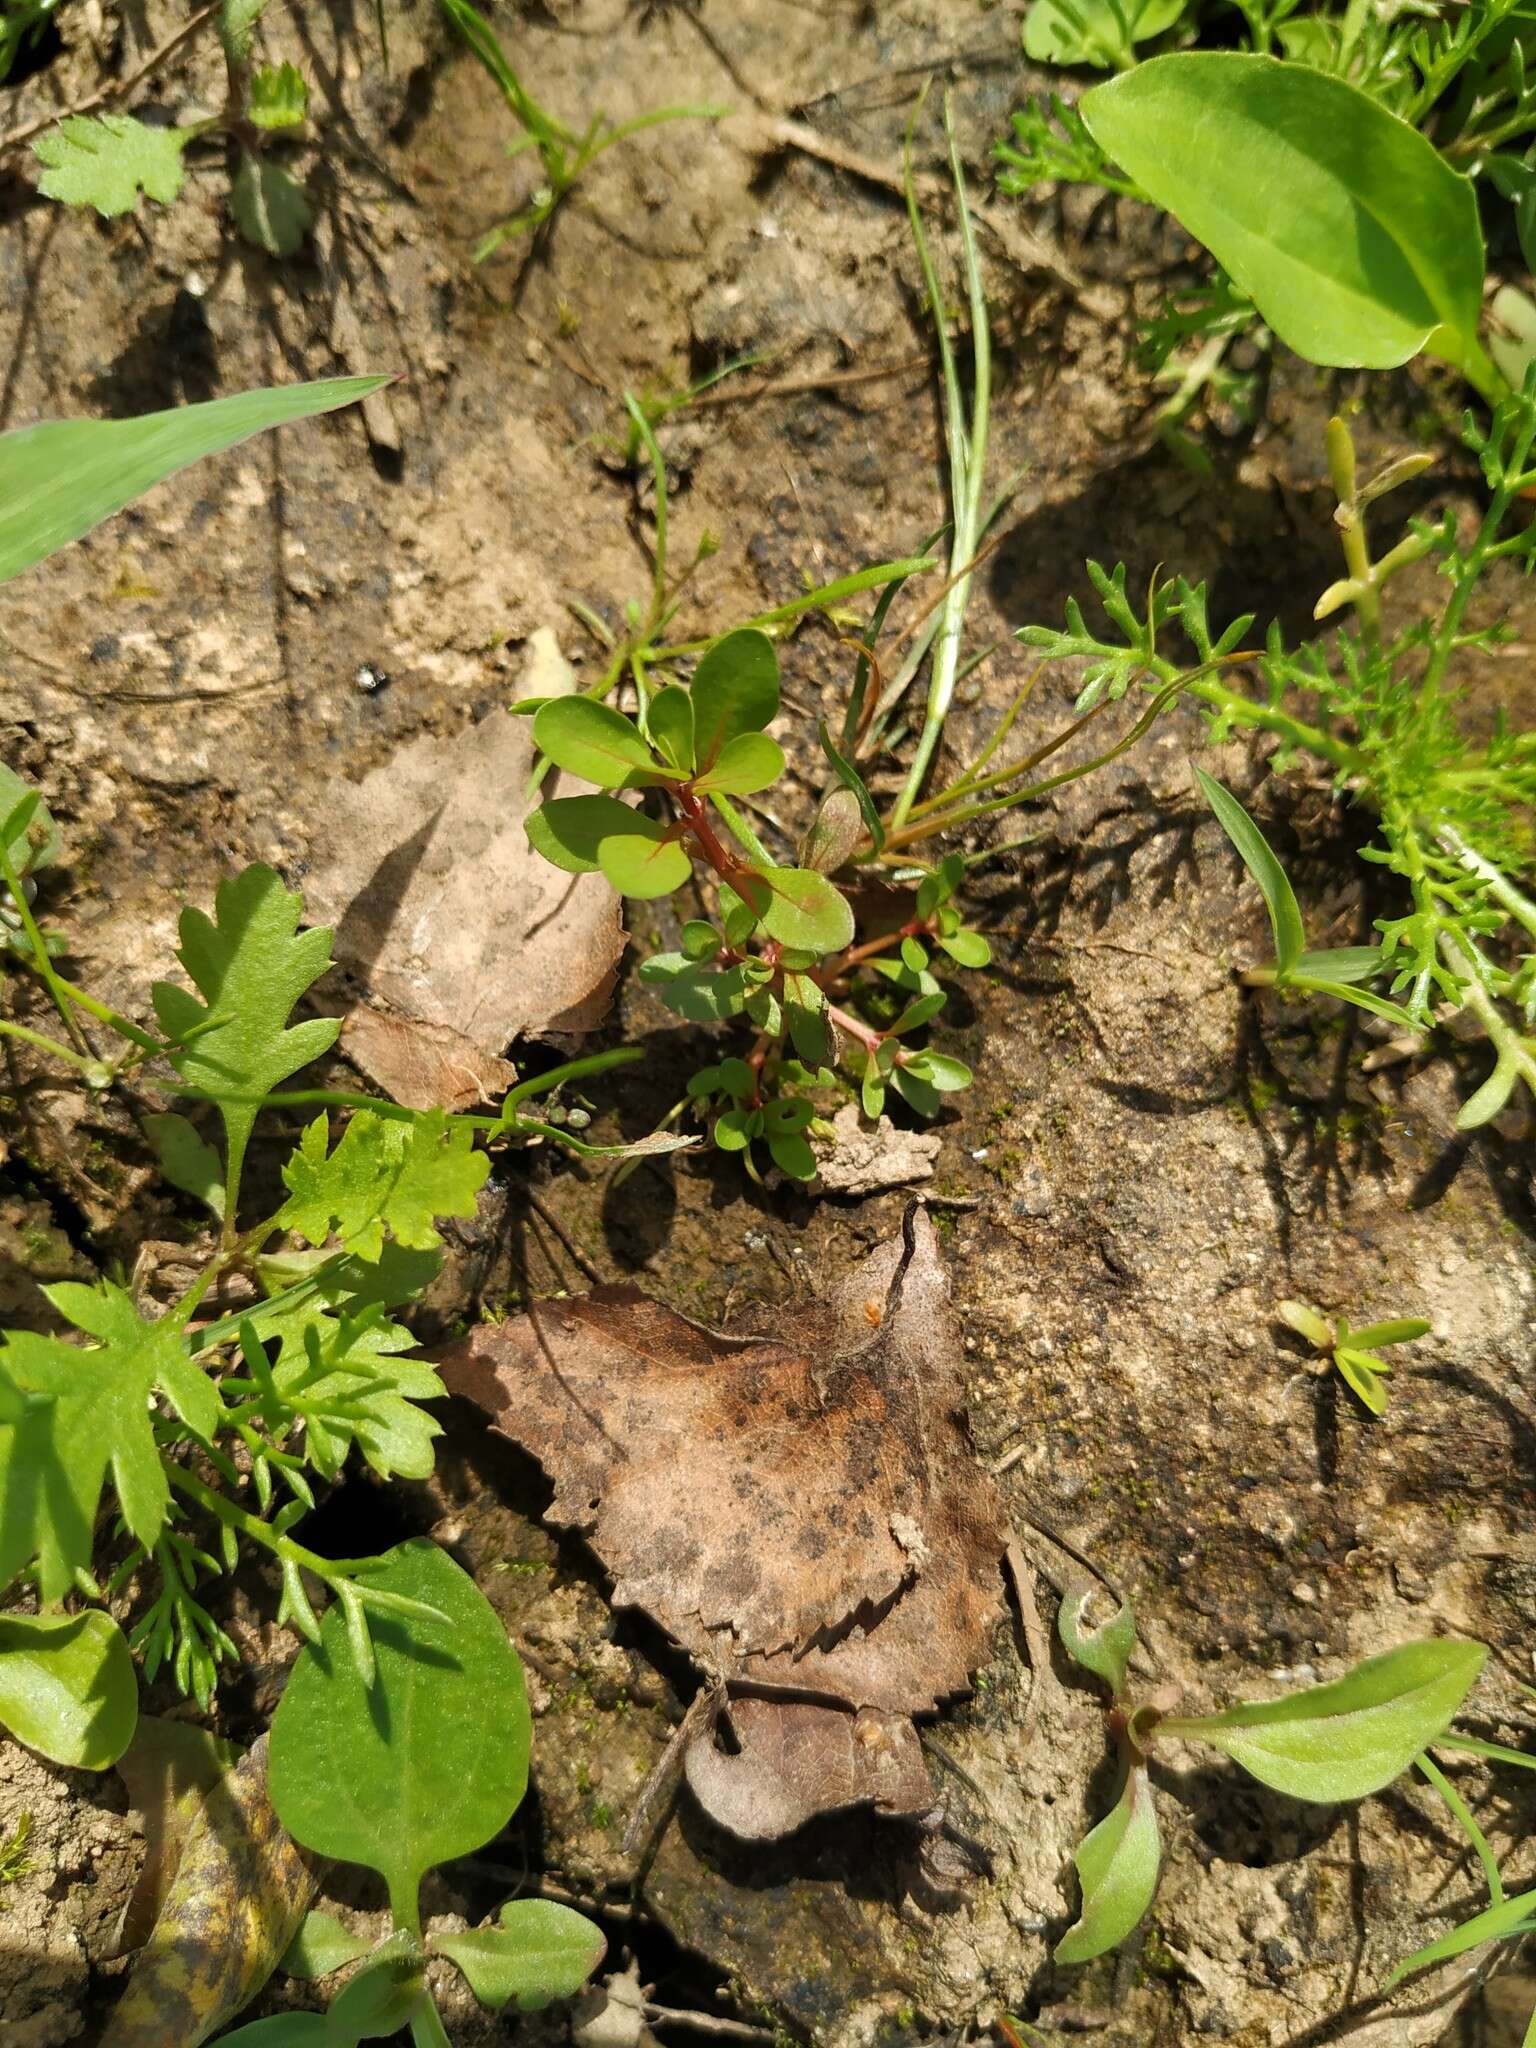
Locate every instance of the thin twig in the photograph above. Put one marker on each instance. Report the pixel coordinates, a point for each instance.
(115, 88)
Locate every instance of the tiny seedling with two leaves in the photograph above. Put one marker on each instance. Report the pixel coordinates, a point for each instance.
(1328, 1743)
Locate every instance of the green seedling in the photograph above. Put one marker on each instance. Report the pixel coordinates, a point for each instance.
(833, 1014)
(1328, 1743)
(1383, 717)
(15, 1863)
(564, 153)
(1350, 1352)
(106, 160)
(410, 1758)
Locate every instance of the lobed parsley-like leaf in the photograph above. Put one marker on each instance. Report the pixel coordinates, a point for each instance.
(251, 966)
(90, 1413)
(343, 1372)
(106, 160)
(385, 1174)
(279, 97)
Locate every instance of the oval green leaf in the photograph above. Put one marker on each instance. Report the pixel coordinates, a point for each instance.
(670, 724)
(541, 1951)
(427, 1763)
(735, 690)
(1361, 1374)
(1347, 1739)
(749, 762)
(800, 908)
(595, 742)
(1346, 227)
(68, 1687)
(640, 862)
(568, 830)
(1117, 1864)
(970, 949)
(321, 1945)
(62, 477)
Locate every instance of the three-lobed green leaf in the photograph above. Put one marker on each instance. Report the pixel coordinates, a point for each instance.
(393, 1175)
(428, 1762)
(106, 160)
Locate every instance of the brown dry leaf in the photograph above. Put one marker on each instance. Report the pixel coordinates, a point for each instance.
(446, 918)
(425, 1066)
(803, 1514)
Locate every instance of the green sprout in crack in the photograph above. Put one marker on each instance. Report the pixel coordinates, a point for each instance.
(1353, 1353)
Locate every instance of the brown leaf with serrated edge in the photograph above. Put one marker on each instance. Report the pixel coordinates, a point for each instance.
(240, 1893)
(803, 1513)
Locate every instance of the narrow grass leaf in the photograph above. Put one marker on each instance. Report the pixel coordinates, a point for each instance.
(1260, 860)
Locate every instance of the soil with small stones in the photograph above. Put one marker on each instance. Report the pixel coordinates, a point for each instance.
(1151, 1158)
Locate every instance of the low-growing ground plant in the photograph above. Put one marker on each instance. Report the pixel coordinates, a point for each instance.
(1353, 1353)
(831, 1013)
(1329, 1743)
(564, 152)
(1378, 706)
(106, 160)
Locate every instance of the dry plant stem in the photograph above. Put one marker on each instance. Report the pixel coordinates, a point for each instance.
(119, 87)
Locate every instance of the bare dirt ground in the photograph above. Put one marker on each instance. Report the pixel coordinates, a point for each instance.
(1152, 1157)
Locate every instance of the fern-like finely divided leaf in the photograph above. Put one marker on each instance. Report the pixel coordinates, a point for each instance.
(106, 160)
(384, 1174)
(88, 1411)
(250, 965)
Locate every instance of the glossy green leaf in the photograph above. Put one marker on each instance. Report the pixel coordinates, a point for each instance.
(970, 949)
(430, 1761)
(31, 833)
(568, 830)
(68, 1687)
(1346, 227)
(380, 1999)
(700, 940)
(917, 1014)
(749, 762)
(1349, 1738)
(1097, 32)
(595, 742)
(798, 907)
(793, 1155)
(642, 862)
(1494, 1923)
(735, 1129)
(695, 990)
(186, 1160)
(943, 1072)
(670, 723)
(1306, 1322)
(916, 1090)
(1259, 859)
(540, 1951)
(1117, 1865)
(282, 2030)
(1347, 964)
(735, 690)
(62, 477)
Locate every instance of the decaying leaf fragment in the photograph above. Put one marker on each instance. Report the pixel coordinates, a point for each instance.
(240, 1893)
(454, 934)
(803, 1513)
